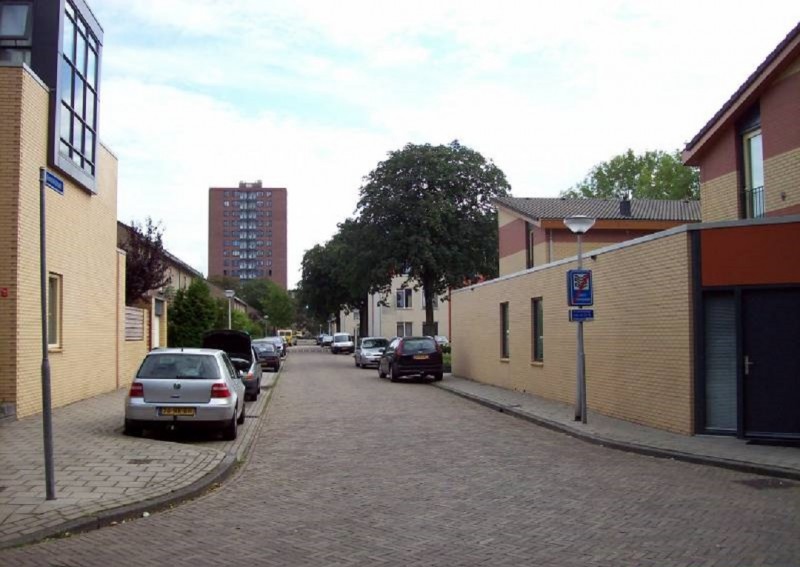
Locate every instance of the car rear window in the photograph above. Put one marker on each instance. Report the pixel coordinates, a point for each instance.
(341, 338)
(262, 348)
(411, 346)
(172, 366)
(374, 343)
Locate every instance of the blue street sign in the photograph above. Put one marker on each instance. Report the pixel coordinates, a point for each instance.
(579, 288)
(576, 315)
(54, 182)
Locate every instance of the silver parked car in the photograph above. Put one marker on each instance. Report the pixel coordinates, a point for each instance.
(369, 350)
(192, 387)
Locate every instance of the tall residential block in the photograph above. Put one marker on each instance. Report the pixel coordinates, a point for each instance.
(247, 232)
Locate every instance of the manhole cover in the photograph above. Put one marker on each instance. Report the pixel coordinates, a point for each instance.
(767, 483)
(140, 461)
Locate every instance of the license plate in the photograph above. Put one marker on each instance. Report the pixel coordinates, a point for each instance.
(176, 411)
(421, 357)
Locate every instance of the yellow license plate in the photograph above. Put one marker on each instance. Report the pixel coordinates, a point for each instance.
(176, 411)
(421, 357)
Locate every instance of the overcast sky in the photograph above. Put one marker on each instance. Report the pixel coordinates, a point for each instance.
(311, 95)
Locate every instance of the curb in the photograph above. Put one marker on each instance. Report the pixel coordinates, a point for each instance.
(129, 512)
(739, 466)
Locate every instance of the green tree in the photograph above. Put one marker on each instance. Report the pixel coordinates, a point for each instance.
(192, 313)
(432, 217)
(319, 290)
(226, 282)
(652, 175)
(146, 268)
(271, 299)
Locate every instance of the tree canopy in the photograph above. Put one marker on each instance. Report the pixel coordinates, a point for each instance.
(652, 175)
(271, 299)
(192, 313)
(430, 215)
(146, 268)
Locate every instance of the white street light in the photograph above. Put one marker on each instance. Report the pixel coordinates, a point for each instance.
(579, 225)
(229, 293)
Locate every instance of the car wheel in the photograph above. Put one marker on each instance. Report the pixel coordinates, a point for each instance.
(358, 364)
(394, 373)
(381, 373)
(230, 430)
(437, 376)
(132, 430)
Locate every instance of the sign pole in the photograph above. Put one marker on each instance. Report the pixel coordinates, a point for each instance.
(47, 414)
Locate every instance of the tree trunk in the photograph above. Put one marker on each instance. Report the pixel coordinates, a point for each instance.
(363, 319)
(429, 327)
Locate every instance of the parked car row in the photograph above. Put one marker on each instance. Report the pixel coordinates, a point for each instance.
(200, 388)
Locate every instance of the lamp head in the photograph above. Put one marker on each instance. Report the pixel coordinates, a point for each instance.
(230, 293)
(579, 224)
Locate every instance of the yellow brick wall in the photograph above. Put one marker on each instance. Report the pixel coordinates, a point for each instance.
(719, 199)
(81, 247)
(513, 263)
(10, 113)
(132, 353)
(782, 181)
(638, 350)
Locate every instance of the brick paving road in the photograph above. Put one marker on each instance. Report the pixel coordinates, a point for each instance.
(353, 470)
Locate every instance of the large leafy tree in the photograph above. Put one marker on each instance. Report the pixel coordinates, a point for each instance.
(271, 299)
(320, 291)
(146, 268)
(431, 216)
(192, 313)
(651, 175)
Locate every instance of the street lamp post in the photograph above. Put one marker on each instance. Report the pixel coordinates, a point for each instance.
(580, 225)
(229, 293)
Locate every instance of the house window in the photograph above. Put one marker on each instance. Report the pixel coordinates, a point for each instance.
(504, 330)
(15, 32)
(54, 310)
(78, 88)
(537, 330)
(404, 329)
(403, 298)
(529, 245)
(753, 155)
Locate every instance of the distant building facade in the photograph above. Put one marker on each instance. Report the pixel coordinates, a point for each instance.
(247, 232)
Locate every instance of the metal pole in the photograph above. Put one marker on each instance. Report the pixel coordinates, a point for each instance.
(229, 312)
(581, 386)
(47, 414)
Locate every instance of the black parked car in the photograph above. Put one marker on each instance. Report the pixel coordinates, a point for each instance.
(239, 348)
(406, 356)
(268, 354)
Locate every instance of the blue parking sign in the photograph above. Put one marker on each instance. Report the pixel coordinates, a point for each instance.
(579, 288)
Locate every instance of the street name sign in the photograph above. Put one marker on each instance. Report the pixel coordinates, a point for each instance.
(54, 182)
(580, 315)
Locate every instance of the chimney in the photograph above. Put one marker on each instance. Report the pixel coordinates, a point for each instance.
(625, 206)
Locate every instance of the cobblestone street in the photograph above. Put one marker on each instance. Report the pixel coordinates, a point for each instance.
(349, 469)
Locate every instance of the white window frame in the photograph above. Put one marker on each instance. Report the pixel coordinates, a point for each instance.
(403, 298)
(405, 329)
(55, 286)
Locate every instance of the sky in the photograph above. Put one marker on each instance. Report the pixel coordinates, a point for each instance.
(312, 95)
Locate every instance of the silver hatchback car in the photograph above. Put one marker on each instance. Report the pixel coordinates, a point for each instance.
(369, 350)
(193, 387)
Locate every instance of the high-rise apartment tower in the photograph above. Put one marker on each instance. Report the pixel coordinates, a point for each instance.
(247, 232)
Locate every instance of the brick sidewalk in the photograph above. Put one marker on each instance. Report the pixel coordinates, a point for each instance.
(101, 475)
(728, 452)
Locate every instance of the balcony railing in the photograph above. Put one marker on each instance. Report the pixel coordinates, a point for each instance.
(754, 202)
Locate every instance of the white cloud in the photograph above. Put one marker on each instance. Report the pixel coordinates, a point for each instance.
(310, 95)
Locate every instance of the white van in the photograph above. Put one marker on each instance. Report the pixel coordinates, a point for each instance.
(342, 342)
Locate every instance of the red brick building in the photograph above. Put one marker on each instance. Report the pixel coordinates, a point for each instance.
(247, 232)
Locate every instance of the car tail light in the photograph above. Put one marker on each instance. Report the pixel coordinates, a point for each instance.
(137, 390)
(220, 391)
